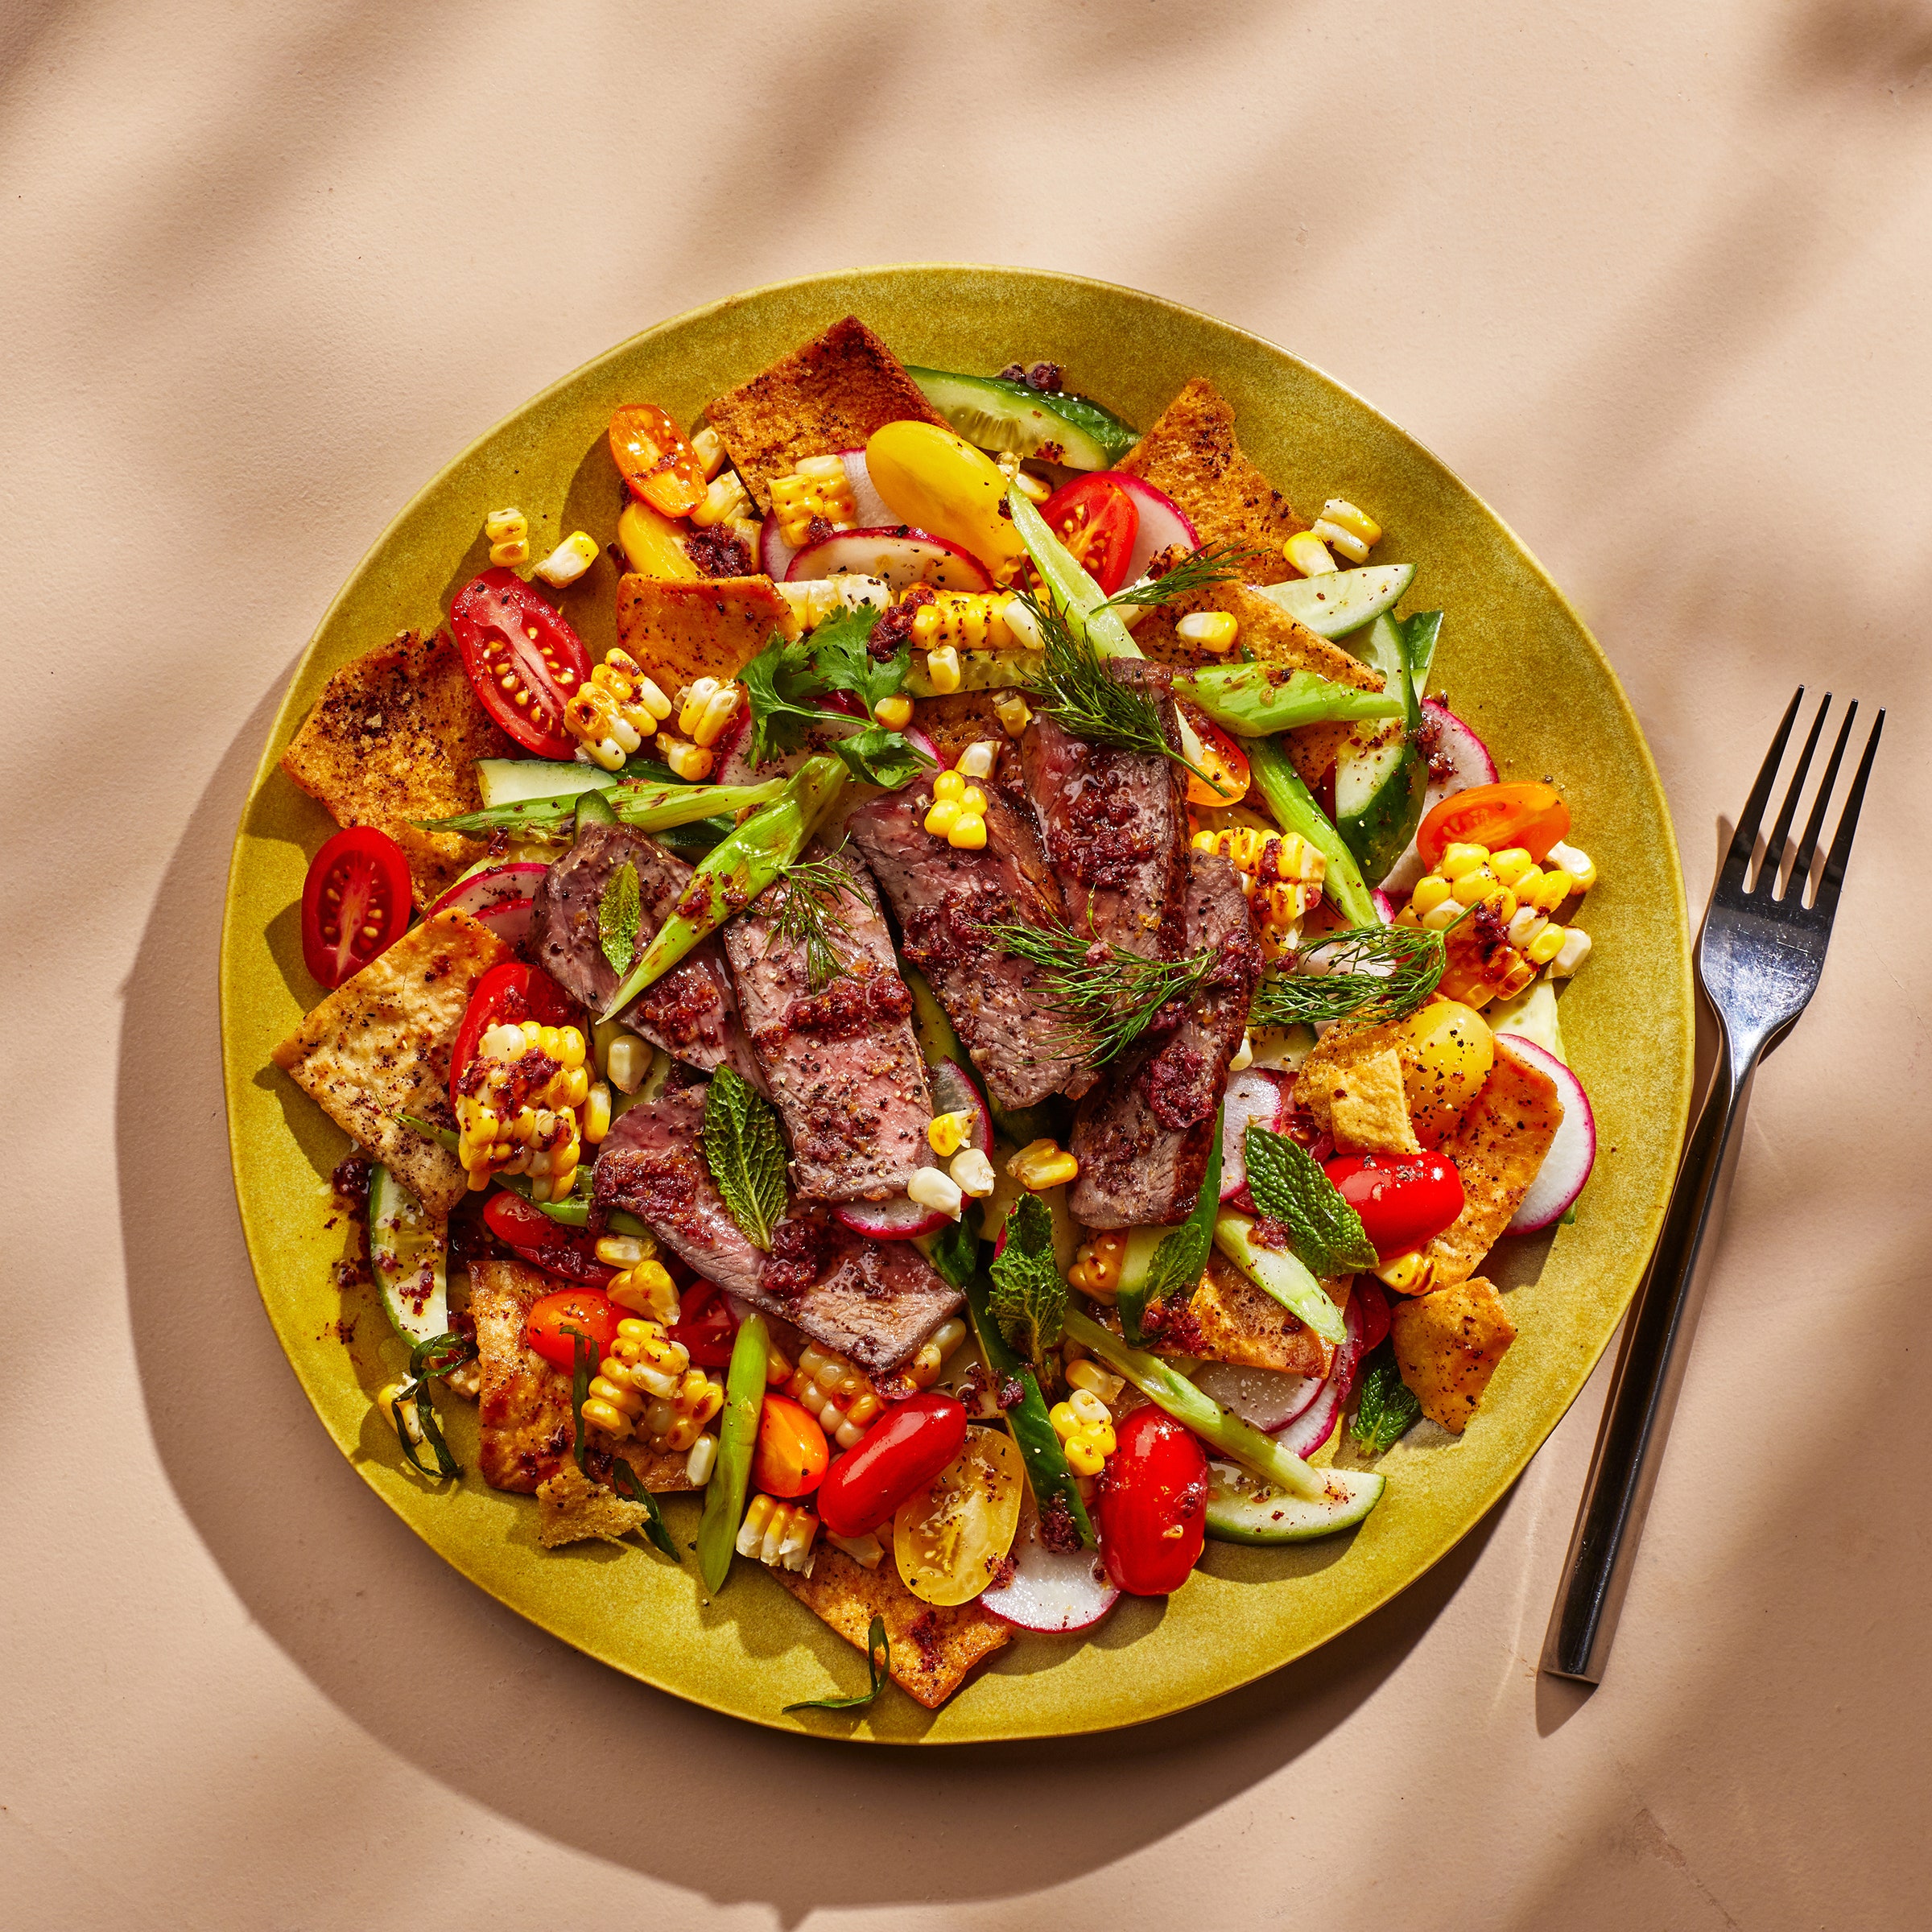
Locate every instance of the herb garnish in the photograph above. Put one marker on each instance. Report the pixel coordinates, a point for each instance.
(808, 915)
(1289, 1186)
(1197, 571)
(745, 1154)
(624, 1479)
(1177, 1262)
(1029, 1299)
(429, 1362)
(618, 914)
(878, 1661)
(1344, 984)
(1386, 1408)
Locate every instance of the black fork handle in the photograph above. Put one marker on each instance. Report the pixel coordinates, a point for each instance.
(1644, 1390)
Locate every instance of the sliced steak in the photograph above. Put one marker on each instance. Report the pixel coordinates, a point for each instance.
(1143, 1139)
(1113, 824)
(692, 1012)
(874, 1302)
(840, 1061)
(944, 899)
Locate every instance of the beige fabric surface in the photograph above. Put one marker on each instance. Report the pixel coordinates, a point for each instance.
(1653, 278)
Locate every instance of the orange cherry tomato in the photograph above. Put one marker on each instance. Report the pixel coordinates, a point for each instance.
(546, 1327)
(1531, 814)
(792, 1455)
(1221, 757)
(661, 468)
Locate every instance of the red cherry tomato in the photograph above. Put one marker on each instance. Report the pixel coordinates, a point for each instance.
(546, 1328)
(512, 992)
(658, 465)
(704, 1327)
(355, 902)
(1154, 1505)
(544, 1243)
(1531, 814)
(900, 1453)
(1372, 1306)
(1404, 1199)
(523, 660)
(791, 1457)
(1097, 521)
(1220, 757)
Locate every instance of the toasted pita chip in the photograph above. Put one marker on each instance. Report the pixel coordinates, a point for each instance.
(1352, 1083)
(682, 630)
(826, 395)
(1497, 1146)
(524, 1411)
(379, 1045)
(395, 736)
(571, 1508)
(932, 1650)
(1447, 1344)
(1233, 1321)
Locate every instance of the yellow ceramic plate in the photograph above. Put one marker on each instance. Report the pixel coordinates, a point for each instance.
(1514, 661)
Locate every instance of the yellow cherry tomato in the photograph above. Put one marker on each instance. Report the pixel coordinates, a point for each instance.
(649, 540)
(938, 481)
(949, 1537)
(1446, 1052)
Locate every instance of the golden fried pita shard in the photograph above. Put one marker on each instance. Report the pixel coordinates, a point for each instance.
(1191, 452)
(395, 736)
(683, 630)
(379, 1045)
(571, 1508)
(524, 1409)
(828, 394)
(1352, 1083)
(1447, 1344)
(965, 718)
(1235, 1322)
(932, 1650)
(1497, 1146)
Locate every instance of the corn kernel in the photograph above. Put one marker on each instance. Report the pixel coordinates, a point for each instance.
(1084, 1456)
(1089, 1375)
(648, 1289)
(1471, 888)
(946, 1134)
(1013, 713)
(939, 1192)
(1212, 629)
(1577, 863)
(1308, 555)
(943, 669)
(688, 761)
(973, 799)
(1409, 1273)
(972, 1171)
(596, 1113)
(394, 1400)
(819, 490)
(948, 785)
(603, 1415)
(895, 714)
(1572, 954)
(1458, 861)
(1358, 523)
(1511, 865)
(707, 446)
(627, 1061)
(1043, 1164)
(1546, 946)
(704, 1457)
(724, 497)
(942, 816)
(1429, 894)
(976, 761)
(569, 560)
(509, 533)
(967, 831)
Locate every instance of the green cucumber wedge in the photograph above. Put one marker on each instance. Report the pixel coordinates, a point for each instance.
(1241, 1508)
(1380, 779)
(1331, 606)
(996, 412)
(405, 1259)
(511, 781)
(1276, 1272)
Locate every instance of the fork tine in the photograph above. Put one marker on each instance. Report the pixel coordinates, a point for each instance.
(1738, 859)
(1807, 846)
(1826, 902)
(1774, 846)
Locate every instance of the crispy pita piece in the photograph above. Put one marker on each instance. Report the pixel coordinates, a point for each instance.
(1233, 1321)
(1447, 1344)
(932, 1650)
(1497, 1146)
(1191, 452)
(524, 1410)
(681, 629)
(1352, 1083)
(379, 1045)
(826, 395)
(395, 736)
(964, 719)
(571, 1508)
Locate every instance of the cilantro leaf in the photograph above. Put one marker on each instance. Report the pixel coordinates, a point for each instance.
(745, 1154)
(878, 1662)
(1289, 1186)
(780, 683)
(618, 913)
(881, 757)
(1177, 1262)
(1385, 1408)
(841, 657)
(1029, 1299)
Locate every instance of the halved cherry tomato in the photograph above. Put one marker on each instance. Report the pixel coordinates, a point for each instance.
(951, 1535)
(1216, 753)
(1097, 521)
(544, 1243)
(355, 902)
(1404, 1199)
(792, 1455)
(659, 465)
(546, 1328)
(704, 1327)
(1372, 1307)
(900, 1454)
(513, 991)
(523, 660)
(1154, 1505)
(1528, 814)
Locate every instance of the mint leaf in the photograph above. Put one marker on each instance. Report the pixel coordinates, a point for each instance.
(1029, 1299)
(1385, 1408)
(881, 757)
(745, 1153)
(878, 1661)
(1177, 1262)
(618, 913)
(1289, 1186)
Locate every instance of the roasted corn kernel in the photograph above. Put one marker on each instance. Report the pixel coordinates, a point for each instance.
(1409, 1273)
(509, 533)
(648, 1289)
(972, 1172)
(977, 760)
(596, 1113)
(1096, 1265)
(1281, 875)
(1572, 954)
(569, 560)
(1212, 629)
(966, 619)
(779, 1535)
(725, 498)
(943, 669)
(690, 763)
(839, 1395)
(939, 1192)
(614, 711)
(627, 1060)
(704, 1457)
(895, 714)
(818, 491)
(933, 1354)
(516, 1106)
(1014, 712)
(1090, 1376)
(1308, 554)
(707, 446)
(1085, 1431)
(946, 1134)
(1043, 1164)
(808, 605)
(1343, 527)
(1513, 889)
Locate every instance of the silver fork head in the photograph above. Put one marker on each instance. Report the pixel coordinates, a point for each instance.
(1762, 951)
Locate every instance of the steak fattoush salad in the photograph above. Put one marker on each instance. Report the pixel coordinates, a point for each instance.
(988, 1038)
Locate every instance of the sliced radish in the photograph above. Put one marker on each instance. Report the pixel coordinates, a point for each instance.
(775, 555)
(1316, 1423)
(919, 740)
(1385, 905)
(1572, 1153)
(1458, 758)
(500, 898)
(1251, 1099)
(903, 556)
(1265, 1398)
(1052, 1591)
(1162, 525)
(954, 1091)
(900, 1219)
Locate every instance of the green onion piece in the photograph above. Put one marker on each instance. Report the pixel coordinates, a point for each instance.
(1258, 700)
(1277, 1272)
(645, 806)
(879, 1663)
(737, 1436)
(429, 1361)
(1295, 809)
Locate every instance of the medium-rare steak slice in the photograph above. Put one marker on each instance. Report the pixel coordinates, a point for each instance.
(1113, 824)
(840, 1059)
(944, 898)
(874, 1302)
(1143, 1139)
(692, 1011)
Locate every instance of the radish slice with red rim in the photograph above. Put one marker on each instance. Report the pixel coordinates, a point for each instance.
(1316, 1423)
(1458, 758)
(1267, 1399)
(899, 1218)
(1162, 524)
(1053, 1591)
(500, 898)
(1251, 1099)
(903, 556)
(775, 555)
(954, 1091)
(1572, 1153)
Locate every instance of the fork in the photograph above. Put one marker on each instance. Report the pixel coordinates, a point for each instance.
(1758, 960)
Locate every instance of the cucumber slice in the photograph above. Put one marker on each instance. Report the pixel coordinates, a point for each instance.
(1344, 600)
(998, 414)
(981, 670)
(513, 781)
(1380, 779)
(593, 809)
(931, 1027)
(1241, 1508)
(406, 1259)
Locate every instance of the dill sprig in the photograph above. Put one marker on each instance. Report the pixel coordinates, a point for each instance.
(1369, 973)
(809, 915)
(1199, 570)
(1106, 996)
